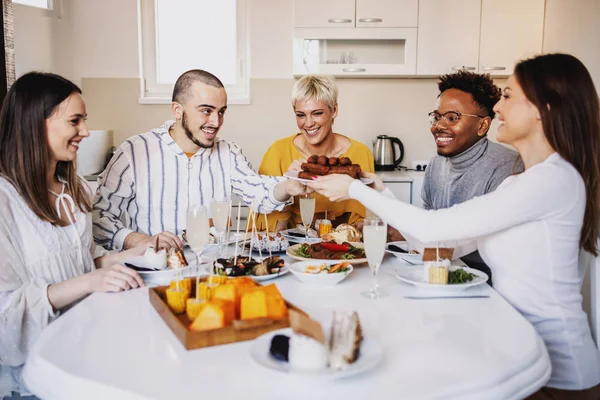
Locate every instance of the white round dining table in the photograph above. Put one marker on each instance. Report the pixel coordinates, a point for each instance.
(115, 346)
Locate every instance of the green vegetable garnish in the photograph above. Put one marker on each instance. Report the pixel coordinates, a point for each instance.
(459, 275)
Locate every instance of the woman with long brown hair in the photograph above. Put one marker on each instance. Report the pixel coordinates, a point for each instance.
(48, 259)
(531, 229)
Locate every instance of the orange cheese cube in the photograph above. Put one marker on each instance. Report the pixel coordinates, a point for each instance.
(193, 307)
(263, 302)
(242, 280)
(214, 314)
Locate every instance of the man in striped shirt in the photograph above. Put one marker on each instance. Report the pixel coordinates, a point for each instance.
(154, 177)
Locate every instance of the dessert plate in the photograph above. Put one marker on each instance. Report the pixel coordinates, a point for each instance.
(294, 175)
(164, 276)
(371, 355)
(416, 276)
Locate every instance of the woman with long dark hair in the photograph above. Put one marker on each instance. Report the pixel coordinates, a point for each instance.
(531, 229)
(48, 259)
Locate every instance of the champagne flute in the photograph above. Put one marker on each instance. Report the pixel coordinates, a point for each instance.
(375, 236)
(219, 211)
(197, 230)
(307, 211)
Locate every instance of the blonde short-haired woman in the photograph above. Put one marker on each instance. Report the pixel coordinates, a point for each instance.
(315, 103)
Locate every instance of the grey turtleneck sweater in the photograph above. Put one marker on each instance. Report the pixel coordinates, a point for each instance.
(474, 172)
(478, 170)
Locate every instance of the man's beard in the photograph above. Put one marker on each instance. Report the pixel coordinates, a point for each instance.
(190, 135)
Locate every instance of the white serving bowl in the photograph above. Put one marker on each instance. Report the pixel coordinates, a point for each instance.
(298, 269)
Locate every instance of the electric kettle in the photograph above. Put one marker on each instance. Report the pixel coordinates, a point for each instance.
(384, 151)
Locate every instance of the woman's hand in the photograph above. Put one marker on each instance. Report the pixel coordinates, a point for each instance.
(114, 278)
(295, 166)
(335, 187)
(377, 182)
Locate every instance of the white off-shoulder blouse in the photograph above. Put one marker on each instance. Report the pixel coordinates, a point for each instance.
(33, 255)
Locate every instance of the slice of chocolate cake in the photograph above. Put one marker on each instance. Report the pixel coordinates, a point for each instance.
(346, 336)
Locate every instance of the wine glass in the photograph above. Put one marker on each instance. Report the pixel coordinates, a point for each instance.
(197, 230)
(219, 211)
(375, 237)
(307, 211)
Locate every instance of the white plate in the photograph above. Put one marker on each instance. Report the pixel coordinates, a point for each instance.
(164, 276)
(281, 272)
(297, 239)
(291, 251)
(299, 268)
(294, 175)
(415, 275)
(261, 278)
(415, 259)
(370, 356)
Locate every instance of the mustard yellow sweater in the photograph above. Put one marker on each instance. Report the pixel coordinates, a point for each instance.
(276, 161)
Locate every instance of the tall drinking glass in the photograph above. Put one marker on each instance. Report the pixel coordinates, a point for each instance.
(197, 230)
(219, 211)
(375, 236)
(307, 211)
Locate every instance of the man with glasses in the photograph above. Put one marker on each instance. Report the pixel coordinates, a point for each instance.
(468, 163)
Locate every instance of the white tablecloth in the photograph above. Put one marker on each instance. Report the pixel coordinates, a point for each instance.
(115, 346)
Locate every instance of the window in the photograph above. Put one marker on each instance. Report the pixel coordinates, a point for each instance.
(47, 4)
(178, 35)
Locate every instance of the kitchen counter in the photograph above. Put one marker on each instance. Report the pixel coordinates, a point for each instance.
(400, 176)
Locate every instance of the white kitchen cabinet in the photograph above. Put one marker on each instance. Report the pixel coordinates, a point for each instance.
(368, 13)
(448, 36)
(376, 52)
(324, 14)
(402, 190)
(510, 31)
(386, 13)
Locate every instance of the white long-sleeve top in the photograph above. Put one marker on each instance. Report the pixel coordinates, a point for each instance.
(33, 255)
(153, 181)
(528, 232)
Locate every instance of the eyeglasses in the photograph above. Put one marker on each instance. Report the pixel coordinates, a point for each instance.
(451, 117)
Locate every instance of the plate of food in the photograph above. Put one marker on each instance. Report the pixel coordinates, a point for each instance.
(401, 250)
(273, 243)
(162, 266)
(259, 270)
(322, 273)
(298, 235)
(304, 350)
(458, 278)
(317, 165)
(353, 253)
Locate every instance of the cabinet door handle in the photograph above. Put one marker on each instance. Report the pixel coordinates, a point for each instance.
(463, 67)
(370, 20)
(488, 68)
(354, 70)
(339, 21)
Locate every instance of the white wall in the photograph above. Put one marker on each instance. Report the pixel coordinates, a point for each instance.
(34, 34)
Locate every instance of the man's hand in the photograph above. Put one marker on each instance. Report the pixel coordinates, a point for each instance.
(166, 240)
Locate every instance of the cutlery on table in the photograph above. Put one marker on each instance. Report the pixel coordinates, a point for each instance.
(446, 297)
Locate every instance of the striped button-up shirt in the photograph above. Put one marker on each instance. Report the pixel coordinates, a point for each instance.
(153, 181)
